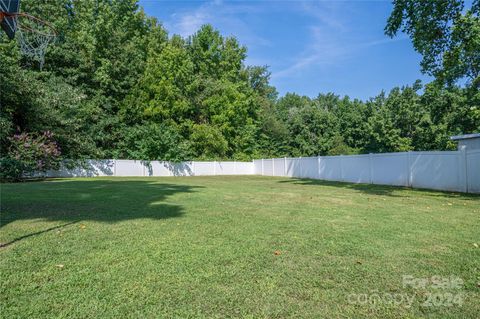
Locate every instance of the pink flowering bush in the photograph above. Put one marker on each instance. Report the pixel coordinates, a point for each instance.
(30, 154)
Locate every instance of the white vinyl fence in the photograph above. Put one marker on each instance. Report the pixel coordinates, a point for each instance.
(452, 171)
(112, 167)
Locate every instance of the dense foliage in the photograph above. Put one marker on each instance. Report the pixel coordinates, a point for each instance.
(445, 32)
(29, 155)
(116, 85)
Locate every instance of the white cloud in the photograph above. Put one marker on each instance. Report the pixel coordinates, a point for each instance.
(331, 36)
(321, 50)
(325, 45)
(327, 13)
(331, 39)
(188, 23)
(223, 16)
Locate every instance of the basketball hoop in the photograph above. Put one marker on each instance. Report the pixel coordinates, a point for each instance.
(33, 34)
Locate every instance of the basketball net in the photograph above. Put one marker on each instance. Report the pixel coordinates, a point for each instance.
(33, 34)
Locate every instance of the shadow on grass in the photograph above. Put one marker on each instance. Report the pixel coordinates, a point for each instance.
(383, 190)
(13, 241)
(70, 201)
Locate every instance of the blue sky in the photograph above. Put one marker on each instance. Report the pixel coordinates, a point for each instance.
(311, 47)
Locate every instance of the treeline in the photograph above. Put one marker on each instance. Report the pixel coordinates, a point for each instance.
(402, 120)
(116, 85)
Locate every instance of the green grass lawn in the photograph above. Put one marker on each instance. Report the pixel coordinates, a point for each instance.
(254, 247)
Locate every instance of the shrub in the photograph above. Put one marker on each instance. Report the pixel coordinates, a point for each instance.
(339, 147)
(10, 169)
(30, 154)
(208, 142)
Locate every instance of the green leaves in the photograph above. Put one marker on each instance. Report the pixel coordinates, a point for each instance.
(403, 120)
(202, 85)
(116, 85)
(445, 33)
(29, 155)
(208, 142)
(153, 142)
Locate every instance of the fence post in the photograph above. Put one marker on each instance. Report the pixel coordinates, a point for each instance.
(285, 166)
(341, 168)
(214, 168)
(318, 166)
(193, 168)
(370, 167)
(262, 166)
(114, 167)
(409, 170)
(273, 167)
(300, 162)
(464, 163)
(234, 167)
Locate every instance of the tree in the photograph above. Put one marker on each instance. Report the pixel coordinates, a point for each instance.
(161, 92)
(445, 33)
(28, 155)
(153, 142)
(115, 85)
(208, 142)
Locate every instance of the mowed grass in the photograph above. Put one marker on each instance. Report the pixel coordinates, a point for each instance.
(216, 247)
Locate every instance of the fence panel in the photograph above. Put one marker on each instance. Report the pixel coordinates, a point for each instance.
(294, 167)
(226, 168)
(244, 168)
(204, 168)
(309, 167)
(356, 168)
(330, 168)
(279, 167)
(218, 169)
(436, 170)
(157, 168)
(257, 164)
(473, 171)
(267, 167)
(390, 169)
(89, 168)
(129, 168)
(180, 169)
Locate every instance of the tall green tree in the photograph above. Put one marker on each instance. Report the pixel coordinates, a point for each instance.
(115, 84)
(445, 32)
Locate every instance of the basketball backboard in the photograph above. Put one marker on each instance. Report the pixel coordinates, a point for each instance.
(32, 34)
(9, 23)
